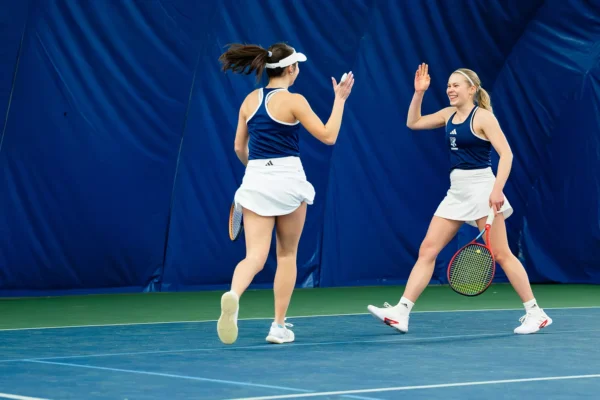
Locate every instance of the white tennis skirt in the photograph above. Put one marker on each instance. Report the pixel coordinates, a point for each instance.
(468, 197)
(275, 186)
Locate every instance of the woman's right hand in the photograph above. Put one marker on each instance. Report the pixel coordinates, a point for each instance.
(342, 91)
(422, 78)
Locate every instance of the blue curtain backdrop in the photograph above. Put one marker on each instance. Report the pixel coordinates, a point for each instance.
(116, 149)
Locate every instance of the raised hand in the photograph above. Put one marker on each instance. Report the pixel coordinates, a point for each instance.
(342, 91)
(422, 78)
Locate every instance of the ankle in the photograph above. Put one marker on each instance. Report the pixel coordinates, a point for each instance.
(531, 305)
(405, 304)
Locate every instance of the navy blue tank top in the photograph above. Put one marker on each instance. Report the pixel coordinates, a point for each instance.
(270, 138)
(467, 150)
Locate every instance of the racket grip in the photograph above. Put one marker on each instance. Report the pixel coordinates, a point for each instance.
(490, 218)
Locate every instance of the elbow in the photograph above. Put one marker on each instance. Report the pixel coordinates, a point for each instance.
(506, 158)
(240, 152)
(412, 125)
(507, 155)
(329, 141)
(239, 148)
(327, 137)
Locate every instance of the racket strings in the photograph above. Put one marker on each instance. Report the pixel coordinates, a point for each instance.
(472, 270)
(235, 221)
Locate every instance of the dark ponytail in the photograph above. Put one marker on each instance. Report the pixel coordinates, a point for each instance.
(245, 59)
(248, 58)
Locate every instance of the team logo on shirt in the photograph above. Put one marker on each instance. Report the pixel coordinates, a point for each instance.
(453, 143)
(453, 139)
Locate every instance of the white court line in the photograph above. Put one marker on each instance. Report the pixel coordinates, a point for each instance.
(266, 346)
(192, 378)
(288, 317)
(396, 339)
(17, 397)
(442, 385)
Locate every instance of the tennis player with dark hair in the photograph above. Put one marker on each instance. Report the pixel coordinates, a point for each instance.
(471, 132)
(274, 191)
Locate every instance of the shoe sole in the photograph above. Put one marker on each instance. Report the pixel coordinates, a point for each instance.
(276, 340)
(547, 324)
(226, 325)
(378, 318)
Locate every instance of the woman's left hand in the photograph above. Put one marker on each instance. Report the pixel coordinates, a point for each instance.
(497, 200)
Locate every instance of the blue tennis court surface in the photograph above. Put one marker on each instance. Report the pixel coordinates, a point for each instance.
(449, 355)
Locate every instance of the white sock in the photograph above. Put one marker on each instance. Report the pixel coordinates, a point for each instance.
(406, 303)
(531, 305)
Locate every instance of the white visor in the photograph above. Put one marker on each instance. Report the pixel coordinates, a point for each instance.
(289, 60)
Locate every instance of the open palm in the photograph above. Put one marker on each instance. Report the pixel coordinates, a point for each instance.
(343, 89)
(422, 78)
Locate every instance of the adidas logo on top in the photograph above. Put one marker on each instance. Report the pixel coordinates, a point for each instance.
(269, 163)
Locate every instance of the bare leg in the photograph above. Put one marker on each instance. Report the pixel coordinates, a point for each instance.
(515, 272)
(535, 318)
(258, 233)
(439, 234)
(258, 240)
(289, 230)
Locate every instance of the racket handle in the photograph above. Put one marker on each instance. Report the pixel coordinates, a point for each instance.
(490, 218)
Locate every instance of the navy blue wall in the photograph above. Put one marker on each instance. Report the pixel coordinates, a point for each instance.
(117, 165)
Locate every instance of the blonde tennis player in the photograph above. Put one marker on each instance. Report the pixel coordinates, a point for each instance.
(274, 191)
(471, 132)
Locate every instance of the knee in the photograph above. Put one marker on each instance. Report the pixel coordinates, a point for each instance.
(428, 250)
(503, 255)
(286, 255)
(258, 259)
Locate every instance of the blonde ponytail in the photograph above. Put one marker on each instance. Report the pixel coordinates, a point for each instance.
(483, 99)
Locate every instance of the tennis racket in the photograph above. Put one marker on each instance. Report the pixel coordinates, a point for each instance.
(236, 223)
(472, 269)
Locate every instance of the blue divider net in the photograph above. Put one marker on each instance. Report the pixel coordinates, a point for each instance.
(117, 159)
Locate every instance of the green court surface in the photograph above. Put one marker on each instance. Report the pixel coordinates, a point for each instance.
(16, 313)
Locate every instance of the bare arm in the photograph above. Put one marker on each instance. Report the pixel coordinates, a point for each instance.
(416, 121)
(241, 138)
(491, 129)
(326, 133)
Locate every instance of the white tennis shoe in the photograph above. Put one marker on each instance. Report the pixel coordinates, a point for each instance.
(279, 334)
(395, 316)
(533, 321)
(227, 325)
